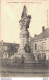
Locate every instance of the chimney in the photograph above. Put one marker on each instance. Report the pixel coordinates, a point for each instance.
(43, 28)
(35, 35)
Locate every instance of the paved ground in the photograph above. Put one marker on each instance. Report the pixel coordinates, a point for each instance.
(13, 70)
(23, 71)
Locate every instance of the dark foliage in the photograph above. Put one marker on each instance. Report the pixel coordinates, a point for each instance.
(12, 49)
(27, 48)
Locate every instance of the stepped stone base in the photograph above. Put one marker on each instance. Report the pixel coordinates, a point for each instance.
(27, 57)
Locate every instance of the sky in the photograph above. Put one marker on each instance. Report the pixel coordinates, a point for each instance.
(11, 11)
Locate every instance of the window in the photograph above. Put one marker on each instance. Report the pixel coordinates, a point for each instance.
(43, 45)
(44, 56)
(39, 47)
(39, 56)
(35, 46)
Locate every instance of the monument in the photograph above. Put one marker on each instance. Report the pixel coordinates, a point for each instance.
(24, 48)
(24, 34)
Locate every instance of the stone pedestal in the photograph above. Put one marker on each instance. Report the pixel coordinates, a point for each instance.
(24, 39)
(27, 57)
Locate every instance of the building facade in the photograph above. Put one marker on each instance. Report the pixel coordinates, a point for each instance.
(41, 49)
(40, 45)
(7, 49)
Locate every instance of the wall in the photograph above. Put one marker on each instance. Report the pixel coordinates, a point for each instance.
(42, 47)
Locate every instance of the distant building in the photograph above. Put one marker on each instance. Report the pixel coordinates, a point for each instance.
(41, 45)
(4, 46)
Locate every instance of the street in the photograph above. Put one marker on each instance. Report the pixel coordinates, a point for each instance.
(13, 71)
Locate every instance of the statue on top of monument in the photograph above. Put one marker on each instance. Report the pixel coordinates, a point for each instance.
(24, 13)
(25, 19)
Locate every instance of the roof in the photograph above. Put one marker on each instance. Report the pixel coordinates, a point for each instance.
(44, 34)
(7, 44)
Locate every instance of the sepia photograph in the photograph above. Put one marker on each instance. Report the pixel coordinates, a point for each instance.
(24, 38)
